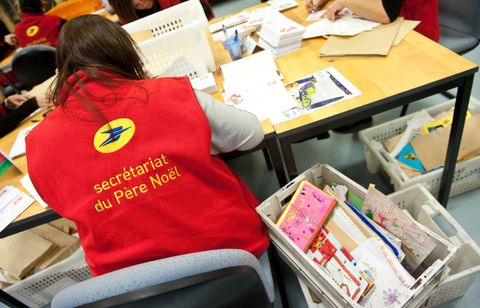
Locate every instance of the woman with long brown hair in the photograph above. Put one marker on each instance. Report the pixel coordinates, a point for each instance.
(131, 10)
(131, 159)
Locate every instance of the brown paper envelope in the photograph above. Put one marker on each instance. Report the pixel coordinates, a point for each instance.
(142, 36)
(405, 28)
(376, 42)
(432, 148)
(20, 252)
(65, 244)
(347, 242)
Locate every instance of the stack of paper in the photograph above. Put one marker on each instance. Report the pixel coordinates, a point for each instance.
(282, 5)
(253, 84)
(257, 16)
(280, 35)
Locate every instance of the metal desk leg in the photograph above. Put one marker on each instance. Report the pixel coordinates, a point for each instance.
(277, 161)
(461, 107)
(287, 152)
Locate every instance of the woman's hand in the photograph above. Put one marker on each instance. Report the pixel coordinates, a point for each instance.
(15, 100)
(314, 5)
(334, 10)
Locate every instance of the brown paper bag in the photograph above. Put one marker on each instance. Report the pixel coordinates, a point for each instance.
(376, 42)
(21, 252)
(432, 148)
(65, 245)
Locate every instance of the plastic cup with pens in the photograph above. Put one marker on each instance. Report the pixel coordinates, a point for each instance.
(233, 44)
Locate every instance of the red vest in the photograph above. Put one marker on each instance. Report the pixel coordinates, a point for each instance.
(146, 187)
(38, 29)
(427, 12)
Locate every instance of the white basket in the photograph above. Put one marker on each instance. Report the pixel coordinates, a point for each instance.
(319, 281)
(464, 267)
(38, 290)
(467, 173)
(179, 46)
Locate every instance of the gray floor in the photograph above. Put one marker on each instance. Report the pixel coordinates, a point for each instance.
(345, 153)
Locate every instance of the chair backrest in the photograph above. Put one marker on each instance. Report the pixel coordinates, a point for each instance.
(215, 278)
(34, 64)
(459, 24)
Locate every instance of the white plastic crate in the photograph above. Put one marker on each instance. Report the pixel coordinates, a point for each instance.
(467, 173)
(179, 46)
(315, 276)
(38, 290)
(464, 267)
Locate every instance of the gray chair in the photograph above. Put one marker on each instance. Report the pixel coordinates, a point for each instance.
(34, 64)
(215, 278)
(459, 24)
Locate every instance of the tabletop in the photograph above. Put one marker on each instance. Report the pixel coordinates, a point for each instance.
(415, 62)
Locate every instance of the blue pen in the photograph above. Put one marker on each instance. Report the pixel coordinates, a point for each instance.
(224, 29)
(235, 38)
(368, 223)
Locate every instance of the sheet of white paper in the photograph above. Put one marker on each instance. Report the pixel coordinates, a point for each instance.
(27, 183)
(346, 26)
(18, 147)
(316, 15)
(265, 99)
(12, 203)
(259, 64)
(420, 118)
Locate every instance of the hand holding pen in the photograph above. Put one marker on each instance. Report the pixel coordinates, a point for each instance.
(314, 5)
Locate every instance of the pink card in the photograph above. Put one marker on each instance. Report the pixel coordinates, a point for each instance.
(305, 214)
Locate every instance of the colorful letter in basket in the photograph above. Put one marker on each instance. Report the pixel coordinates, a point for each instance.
(305, 214)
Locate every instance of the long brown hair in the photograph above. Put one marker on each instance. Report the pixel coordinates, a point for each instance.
(93, 44)
(124, 9)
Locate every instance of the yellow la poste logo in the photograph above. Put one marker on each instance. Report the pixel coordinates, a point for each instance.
(31, 31)
(113, 136)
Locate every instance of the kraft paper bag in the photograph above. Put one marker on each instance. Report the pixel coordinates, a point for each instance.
(405, 28)
(21, 252)
(376, 42)
(65, 244)
(432, 148)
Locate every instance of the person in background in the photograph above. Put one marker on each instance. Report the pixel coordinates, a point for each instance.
(385, 11)
(154, 186)
(36, 28)
(16, 108)
(5, 48)
(131, 10)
